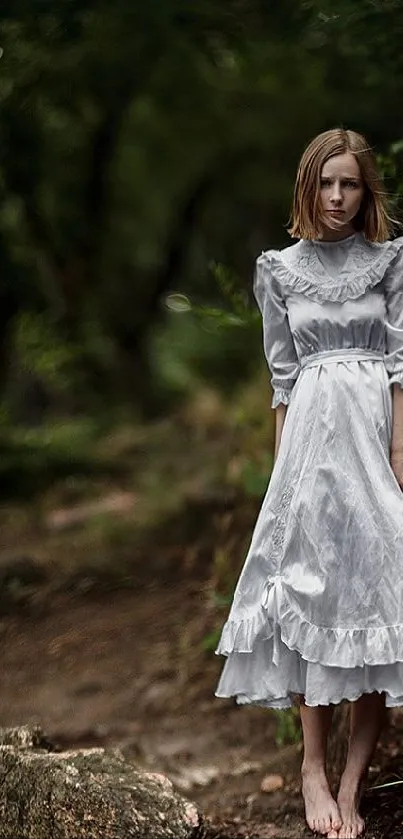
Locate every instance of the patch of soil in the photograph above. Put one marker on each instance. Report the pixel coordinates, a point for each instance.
(129, 670)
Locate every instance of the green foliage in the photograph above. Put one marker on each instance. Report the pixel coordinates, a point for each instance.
(210, 640)
(390, 166)
(146, 148)
(231, 288)
(221, 602)
(255, 478)
(288, 727)
(42, 351)
(33, 460)
(205, 344)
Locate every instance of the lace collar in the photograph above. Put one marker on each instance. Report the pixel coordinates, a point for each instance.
(298, 268)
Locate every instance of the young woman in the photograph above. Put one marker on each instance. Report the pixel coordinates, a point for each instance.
(317, 615)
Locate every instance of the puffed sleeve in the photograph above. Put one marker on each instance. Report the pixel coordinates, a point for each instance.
(277, 338)
(394, 317)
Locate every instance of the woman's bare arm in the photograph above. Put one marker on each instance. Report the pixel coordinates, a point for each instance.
(281, 411)
(396, 449)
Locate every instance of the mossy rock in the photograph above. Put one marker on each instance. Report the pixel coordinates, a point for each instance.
(87, 793)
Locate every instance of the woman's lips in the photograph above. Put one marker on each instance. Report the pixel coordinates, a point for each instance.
(336, 212)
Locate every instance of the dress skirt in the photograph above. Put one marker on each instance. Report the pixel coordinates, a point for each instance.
(318, 608)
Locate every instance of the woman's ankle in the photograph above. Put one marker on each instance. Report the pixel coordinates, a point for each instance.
(352, 785)
(312, 767)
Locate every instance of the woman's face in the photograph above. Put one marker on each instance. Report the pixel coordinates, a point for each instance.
(341, 194)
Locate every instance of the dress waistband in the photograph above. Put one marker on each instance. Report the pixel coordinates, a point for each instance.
(334, 356)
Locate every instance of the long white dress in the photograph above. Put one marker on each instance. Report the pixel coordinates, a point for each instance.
(318, 608)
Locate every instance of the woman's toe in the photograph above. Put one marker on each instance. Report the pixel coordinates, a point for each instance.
(336, 823)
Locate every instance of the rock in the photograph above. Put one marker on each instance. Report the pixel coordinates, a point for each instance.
(272, 783)
(86, 793)
(196, 776)
(247, 766)
(26, 737)
(201, 776)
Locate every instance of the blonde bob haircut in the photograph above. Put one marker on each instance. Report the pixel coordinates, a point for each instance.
(372, 219)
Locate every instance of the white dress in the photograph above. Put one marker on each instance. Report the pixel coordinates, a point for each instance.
(318, 608)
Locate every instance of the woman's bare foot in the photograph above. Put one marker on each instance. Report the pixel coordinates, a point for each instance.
(352, 823)
(321, 811)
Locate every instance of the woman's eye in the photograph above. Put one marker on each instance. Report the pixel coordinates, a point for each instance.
(326, 183)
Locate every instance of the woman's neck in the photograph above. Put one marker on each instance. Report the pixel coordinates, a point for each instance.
(329, 235)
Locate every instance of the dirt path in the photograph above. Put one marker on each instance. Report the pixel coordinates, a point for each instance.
(129, 670)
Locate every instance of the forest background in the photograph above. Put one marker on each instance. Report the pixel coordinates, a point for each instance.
(147, 155)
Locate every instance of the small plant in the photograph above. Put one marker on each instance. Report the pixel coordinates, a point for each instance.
(288, 727)
(210, 641)
(386, 786)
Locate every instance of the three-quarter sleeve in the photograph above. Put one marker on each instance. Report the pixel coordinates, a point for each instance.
(277, 338)
(394, 319)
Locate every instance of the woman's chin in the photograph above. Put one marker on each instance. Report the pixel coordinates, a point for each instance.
(335, 225)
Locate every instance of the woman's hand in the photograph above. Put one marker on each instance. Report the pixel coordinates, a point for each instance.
(396, 462)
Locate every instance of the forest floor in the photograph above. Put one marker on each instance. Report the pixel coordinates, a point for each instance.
(107, 637)
(127, 669)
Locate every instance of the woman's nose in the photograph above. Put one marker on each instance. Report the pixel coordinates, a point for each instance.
(336, 196)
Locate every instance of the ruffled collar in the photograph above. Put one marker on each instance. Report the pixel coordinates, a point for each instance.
(298, 268)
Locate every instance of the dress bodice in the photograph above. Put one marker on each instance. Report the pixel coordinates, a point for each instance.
(323, 296)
